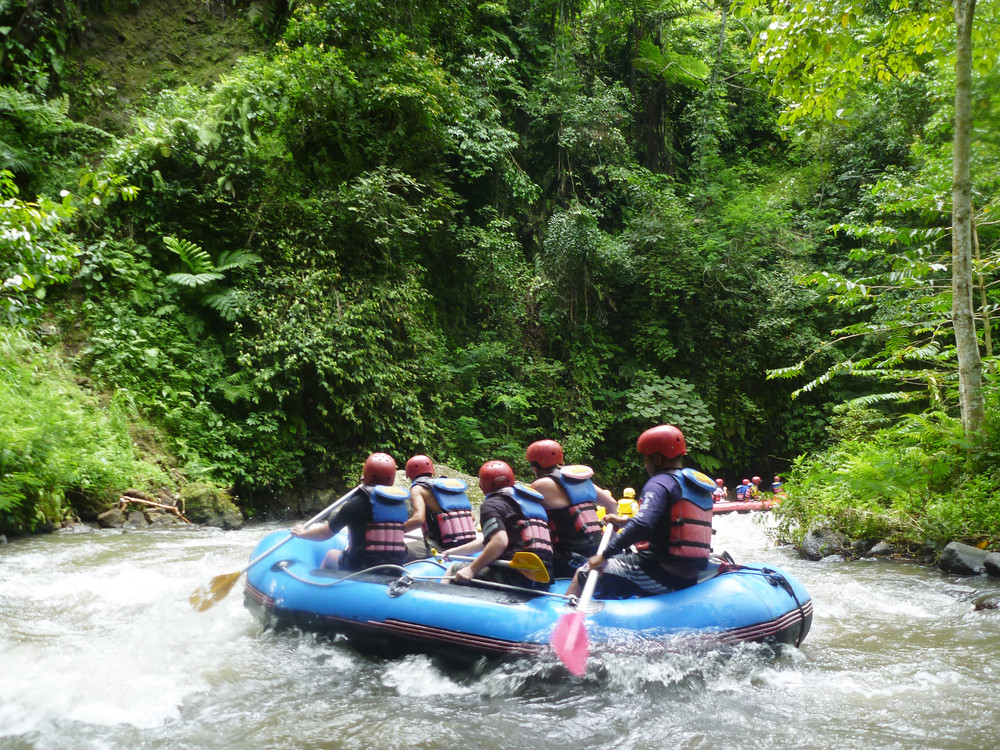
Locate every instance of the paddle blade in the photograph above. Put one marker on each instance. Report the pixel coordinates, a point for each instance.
(217, 590)
(530, 565)
(569, 641)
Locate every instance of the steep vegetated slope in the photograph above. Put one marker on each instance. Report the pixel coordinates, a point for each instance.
(454, 227)
(127, 52)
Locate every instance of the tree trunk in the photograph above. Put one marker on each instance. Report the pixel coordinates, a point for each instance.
(970, 385)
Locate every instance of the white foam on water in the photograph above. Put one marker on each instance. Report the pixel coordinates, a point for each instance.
(108, 642)
(417, 677)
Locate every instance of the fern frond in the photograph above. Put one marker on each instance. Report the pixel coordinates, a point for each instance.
(193, 256)
(236, 259)
(878, 398)
(226, 303)
(785, 372)
(670, 66)
(12, 158)
(236, 388)
(193, 279)
(835, 369)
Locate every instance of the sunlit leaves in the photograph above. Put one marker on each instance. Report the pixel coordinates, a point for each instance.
(819, 51)
(670, 66)
(35, 250)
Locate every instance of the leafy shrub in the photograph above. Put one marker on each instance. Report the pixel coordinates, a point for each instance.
(57, 441)
(919, 481)
(34, 252)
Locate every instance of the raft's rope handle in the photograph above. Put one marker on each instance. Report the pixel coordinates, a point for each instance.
(402, 580)
(729, 565)
(283, 567)
(498, 585)
(776, 579)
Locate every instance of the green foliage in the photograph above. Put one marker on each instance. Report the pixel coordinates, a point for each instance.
(580, 266)
(456, 228)
(917, 481)
(203, 272)
(670, 66)
(819, 53)
(665, 400)
(58, 444)
(39, 142)
(830, 59)
(35, 252)
(145, 339)
(34, 38)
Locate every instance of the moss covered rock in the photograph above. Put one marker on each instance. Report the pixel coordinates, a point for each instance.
(210, 506)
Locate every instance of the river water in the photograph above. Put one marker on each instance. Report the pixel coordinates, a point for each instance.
(100, 649)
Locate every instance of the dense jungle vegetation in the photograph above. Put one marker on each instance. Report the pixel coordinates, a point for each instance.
(247, 243)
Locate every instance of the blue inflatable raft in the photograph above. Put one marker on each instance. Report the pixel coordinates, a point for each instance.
(397, 610)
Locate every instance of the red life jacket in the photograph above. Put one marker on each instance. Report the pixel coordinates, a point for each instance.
(454, 525)
(689, 528)
(534, 522)
(581, 513)
(385, 541)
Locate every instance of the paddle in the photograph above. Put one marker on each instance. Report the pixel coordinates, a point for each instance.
(220, 586)
(569, 637)
(528, 563)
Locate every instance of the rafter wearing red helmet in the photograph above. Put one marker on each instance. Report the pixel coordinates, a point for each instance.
(441, 509)
(373, 515)
(721, 492)
(675, 517)
(777, 485)
(742, 490)
(513, 520)
(570, 498)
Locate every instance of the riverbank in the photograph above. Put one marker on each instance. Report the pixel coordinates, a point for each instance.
(956, 558)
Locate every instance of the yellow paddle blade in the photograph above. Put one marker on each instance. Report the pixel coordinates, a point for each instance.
(530, 565)
(217, 590)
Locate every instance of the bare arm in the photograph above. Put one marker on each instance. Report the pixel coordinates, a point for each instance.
(332, 523)
(317, 532)
(419, 515)
(464, 549)
(606, 499)
(491, 552)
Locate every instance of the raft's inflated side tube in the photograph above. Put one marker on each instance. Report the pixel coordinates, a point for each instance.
(389, 613)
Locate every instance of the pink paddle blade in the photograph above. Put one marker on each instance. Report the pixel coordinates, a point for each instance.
(569, 641)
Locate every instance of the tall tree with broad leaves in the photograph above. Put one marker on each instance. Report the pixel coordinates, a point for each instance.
(820, 52)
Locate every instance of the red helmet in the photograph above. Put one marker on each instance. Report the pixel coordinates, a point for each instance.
(755, 480)
(545, 453)
(380, 468)
(419, 465)
(664, 439)
(494, 475)
(719, 483)
(777, 478)
(745, 481)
